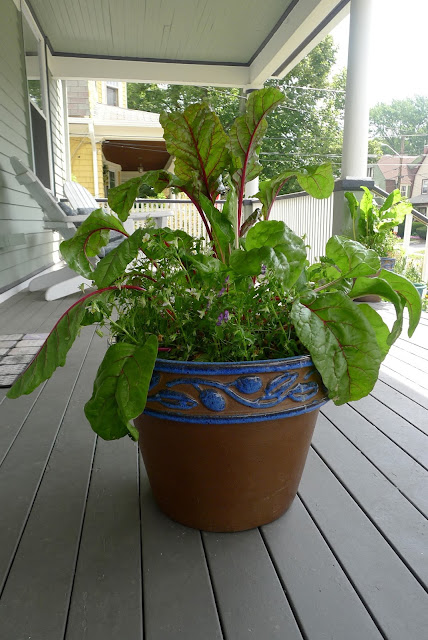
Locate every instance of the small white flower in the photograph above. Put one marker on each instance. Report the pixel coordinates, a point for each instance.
(146, 237)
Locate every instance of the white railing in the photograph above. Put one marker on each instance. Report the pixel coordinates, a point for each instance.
(307, 217)
(185, 215)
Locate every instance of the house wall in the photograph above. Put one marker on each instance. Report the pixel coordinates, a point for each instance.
(25, 246)
(78, 98)
(82, 166)
(422, 174)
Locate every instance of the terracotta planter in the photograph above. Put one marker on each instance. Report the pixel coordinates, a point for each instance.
(225, 444)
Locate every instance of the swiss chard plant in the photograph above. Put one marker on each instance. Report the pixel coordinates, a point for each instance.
(245, 293)
(372, 224)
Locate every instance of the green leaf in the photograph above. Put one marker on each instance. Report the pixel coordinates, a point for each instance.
(246, 135)
(342, 344)
(351, 257)
(120, 388)
(276, 234)
(197, 140)
(114, 263)
(379, 286)
(393, 198)
(318, 181)
(380, 328)
(249, 263)
(221, 227)
(88, 240)
(408, 292)
(53, 352)
(122, 197)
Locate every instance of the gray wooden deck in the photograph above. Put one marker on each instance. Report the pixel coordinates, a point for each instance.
(86, 555)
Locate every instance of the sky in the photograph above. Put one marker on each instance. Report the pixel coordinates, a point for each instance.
(399, 49)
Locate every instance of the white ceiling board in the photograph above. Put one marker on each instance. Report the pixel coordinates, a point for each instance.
(196, 30)
(237, 43)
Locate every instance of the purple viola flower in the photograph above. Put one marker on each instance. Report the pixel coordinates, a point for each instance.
(223, 317)
(263, 270)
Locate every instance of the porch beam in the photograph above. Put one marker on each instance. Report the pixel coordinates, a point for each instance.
(299, 24)
(75, 68)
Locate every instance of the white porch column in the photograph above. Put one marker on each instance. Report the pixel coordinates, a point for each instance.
(356, 123)
(356, 120)
(94, 158)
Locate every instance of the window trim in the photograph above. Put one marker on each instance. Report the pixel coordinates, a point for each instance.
(424, 186)
(44, 90)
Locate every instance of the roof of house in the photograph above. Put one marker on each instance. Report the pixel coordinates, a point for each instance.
(390, 167)
(420, 199)
(108, 113)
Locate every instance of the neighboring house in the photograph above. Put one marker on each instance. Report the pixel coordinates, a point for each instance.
(391, 172)
(419, 195)
(108, 142)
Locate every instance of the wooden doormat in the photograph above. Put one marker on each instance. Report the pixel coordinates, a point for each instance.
(16, 351)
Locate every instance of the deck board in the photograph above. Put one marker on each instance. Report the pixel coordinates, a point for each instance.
(324, 600)
(179, 601)
(251, 600)
(86, 554)
(43, 570)
(394, 463)
(393, 595)
(107, 594)
(401, 524)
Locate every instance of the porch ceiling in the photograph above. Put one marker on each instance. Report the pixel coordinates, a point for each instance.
(229, 42)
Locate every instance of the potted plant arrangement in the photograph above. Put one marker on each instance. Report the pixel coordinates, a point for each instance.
(372, 226)
(224, 350)
(411, 269)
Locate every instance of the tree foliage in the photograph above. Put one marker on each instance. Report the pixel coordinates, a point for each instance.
(305, 130)
(391, 121)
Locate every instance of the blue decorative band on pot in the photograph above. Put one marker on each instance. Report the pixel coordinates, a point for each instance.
(231, 392)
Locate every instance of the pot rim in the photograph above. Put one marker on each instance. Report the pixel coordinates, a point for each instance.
(273, 364)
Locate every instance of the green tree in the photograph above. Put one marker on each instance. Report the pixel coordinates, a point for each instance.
(388, 122)
(306, 130)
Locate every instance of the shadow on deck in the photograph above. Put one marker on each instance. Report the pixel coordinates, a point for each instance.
(85, 553)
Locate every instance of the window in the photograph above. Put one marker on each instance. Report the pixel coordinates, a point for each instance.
(424, 186)
(38, 103)
(113, 96)
(403, 190)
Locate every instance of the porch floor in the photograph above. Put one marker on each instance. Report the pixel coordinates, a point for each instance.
(86, 555)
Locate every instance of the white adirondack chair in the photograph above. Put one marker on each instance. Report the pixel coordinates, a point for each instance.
(80, 198)
(64, 281)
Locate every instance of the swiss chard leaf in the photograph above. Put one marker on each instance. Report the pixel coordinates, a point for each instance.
(379, 286)
(53, 352)
(317, 181)
(221, 227)
(197, 140)
(89, 238)
(120, 388)
(276, 234)
(408, 292)
(342, 344)
(351, 257)
(246, 135)
(380, 328)
(114, 263)
(249, 263)
(122, 197)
